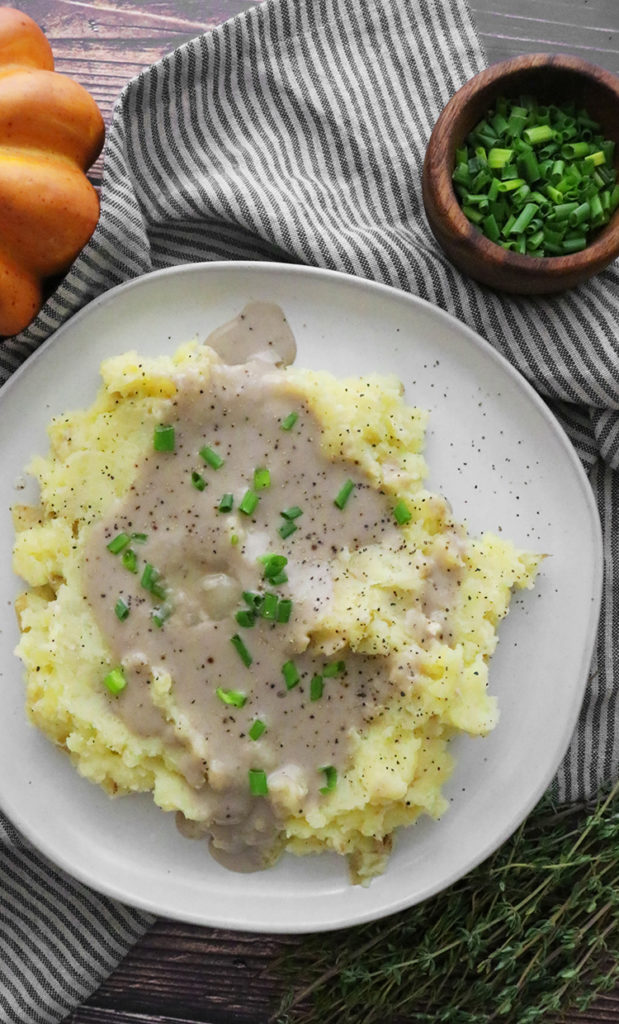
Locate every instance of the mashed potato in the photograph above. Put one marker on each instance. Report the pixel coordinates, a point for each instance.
(243, 599)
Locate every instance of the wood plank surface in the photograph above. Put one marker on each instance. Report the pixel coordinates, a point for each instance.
(178, 973)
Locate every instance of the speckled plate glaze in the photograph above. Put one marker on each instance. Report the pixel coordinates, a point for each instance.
(493, 449)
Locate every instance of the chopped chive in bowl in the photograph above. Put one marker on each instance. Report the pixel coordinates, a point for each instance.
(537, 180)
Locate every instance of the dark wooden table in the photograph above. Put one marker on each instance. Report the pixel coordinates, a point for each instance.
(179, 974)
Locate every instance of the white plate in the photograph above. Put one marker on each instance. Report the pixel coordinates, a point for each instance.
(494, 450)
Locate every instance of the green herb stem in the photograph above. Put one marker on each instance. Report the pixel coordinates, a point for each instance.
(164, 438)
(289, 421)
(525, 936)
(211, 457)
(341, 499)
(241, 650)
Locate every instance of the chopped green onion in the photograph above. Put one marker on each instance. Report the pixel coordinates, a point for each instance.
(491, 228)
(249, 503)
(316, 687)
(130, 560)
(226, 503)
(278, 579)
(575, 150)
(528, 167)
(284, 610)
(262, 479)
(402, 513)
(580, 214)
(524, 219)
(289, 421)
(245, 618)
(233, 697)
(574, 244)
(258, 785)
(150, 581)
(290, 674)
(344, 494)
(510, 185)
(538, 133)
(118, 543)
(292, 513)
(251, 599)
(121, 610)
(159, 615)
(234, 539)
(164, 438)
(562, 211)
(286, 529)
(557, 151)
(257, 729)
(139, 538)
(241, 650)
(499, 158)
(335, 668)
(115, 681)
(273, 566)
(198, 481)
(212, 458)
(268, 606)
(330, 778)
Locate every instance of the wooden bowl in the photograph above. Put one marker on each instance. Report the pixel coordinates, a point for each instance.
(551, 79)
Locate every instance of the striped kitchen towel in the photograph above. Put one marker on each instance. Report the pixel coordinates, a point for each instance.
(296, 133)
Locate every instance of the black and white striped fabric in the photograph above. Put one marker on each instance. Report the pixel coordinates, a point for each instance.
(296, 132)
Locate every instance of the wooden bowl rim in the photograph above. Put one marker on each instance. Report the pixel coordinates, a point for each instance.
(447, 204)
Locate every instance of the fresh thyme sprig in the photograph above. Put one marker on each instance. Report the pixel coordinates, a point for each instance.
(528, 934)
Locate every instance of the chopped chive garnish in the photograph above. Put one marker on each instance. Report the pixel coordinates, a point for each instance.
(316, 688)
(226, 503)
(234, 539)
(292, 513)
(558, 151)
(241, 650)
(159, 615)
(330, 778)
(402, 513)
(284, 610)
(344, 494)
(198, 481)
(273, 567)
(262, 479)
(233, 697)
(245, 618)
(257, 729)
(290, 674)
(149, 576)
(139, 538)
(151, 581)
(212, 458)
(286, 529)
(268, 606)
(249, 502)
(335, 668)
(164, 438)
(289, 421)
(119, 543)
(115, 681)
(251, 599)
(258, 785)
(121, 610)
(130, 560)
(278, 579)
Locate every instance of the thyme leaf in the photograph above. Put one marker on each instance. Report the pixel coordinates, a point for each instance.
(527, 935)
